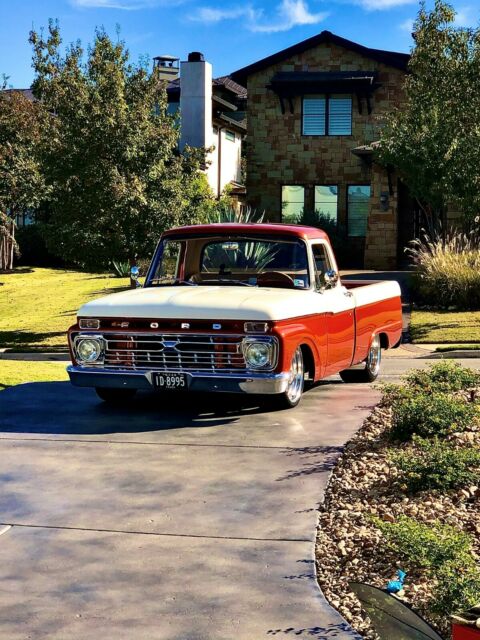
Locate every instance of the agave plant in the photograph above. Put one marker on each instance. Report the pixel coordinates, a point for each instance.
(243, 214)
(121, 268)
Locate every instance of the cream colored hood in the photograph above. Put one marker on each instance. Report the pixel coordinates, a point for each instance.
(205, 303)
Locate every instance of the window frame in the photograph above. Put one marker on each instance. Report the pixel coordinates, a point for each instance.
(327, 133)
(289, 184)
(355, 184)
(338, 194)
(331, 260)
(230, 135)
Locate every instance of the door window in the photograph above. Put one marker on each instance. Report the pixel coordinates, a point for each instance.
(321, 264)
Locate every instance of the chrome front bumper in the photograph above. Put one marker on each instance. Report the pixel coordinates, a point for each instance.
(261, 383)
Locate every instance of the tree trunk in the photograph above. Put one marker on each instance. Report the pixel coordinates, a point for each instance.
(133, 263)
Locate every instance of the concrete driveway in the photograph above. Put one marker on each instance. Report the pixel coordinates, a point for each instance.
(184, 518)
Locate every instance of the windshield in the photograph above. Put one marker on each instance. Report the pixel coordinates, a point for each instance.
(242, 261)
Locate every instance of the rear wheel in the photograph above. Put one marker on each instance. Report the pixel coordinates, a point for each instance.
(293, 394)
(115, 396)
(370, 371)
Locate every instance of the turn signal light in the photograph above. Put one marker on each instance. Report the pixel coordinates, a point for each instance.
(255, 327)
(89, 323)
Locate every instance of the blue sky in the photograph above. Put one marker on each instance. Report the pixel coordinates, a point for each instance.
(231, 33)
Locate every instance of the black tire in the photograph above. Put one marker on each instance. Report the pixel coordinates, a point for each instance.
(292, 396)
(115, 396)
(370, 371)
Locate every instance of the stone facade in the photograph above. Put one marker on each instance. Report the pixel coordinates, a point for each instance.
(278, 154)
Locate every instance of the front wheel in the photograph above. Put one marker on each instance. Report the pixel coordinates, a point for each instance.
(293, 393)
(372, 365)
(115, 396)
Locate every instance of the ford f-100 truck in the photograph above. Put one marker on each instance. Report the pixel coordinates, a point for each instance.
(247, 308)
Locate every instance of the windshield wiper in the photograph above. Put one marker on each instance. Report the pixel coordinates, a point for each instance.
(158, 282)
(226, 281)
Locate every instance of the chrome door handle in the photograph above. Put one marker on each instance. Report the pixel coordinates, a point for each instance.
(347, 293)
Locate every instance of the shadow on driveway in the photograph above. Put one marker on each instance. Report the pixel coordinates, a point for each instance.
(60, 408)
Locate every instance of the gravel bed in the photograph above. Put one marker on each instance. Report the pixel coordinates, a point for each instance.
(350, 548)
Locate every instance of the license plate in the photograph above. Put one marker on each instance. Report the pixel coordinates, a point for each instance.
(170, 381)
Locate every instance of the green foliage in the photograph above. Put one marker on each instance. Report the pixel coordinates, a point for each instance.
(435, 464)
(444, 552)
(431, 414)
(433, 138)
(22, 121)
(33, 248)
(446, 375)
(121, 268)
(110, 154)
(442, 377)
(225, 210)
(447, 269)
(426, 546)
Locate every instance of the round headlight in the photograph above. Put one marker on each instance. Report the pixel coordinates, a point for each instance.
(89, 349)
(257, 354)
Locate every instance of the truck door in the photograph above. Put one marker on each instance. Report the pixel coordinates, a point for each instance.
(339, 308)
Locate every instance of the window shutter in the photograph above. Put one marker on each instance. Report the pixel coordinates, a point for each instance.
(340, 116)
(314, 116)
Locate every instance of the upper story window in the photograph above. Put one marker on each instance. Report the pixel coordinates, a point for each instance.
(229, 135)
(327, 115)
(293, 202)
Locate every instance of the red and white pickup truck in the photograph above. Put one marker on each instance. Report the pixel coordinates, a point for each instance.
(249, 308)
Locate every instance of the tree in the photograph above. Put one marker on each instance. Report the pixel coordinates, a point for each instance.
(433, 139)
(22, 185)
(110, 152)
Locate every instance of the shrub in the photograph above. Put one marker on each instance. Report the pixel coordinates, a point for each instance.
(448, 269)
(427, 546)
(444, 552)
(443, 376)
(427, 415)
(121, 268)
(33, 248)
(433, 464)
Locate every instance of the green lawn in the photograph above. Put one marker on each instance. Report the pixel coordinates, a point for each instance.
(38, 305)
(455, 327)
(14, 372)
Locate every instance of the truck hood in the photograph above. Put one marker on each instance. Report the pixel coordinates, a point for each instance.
(204, 303)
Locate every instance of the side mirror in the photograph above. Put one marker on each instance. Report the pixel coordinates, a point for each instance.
(134, 275)
(330, 278)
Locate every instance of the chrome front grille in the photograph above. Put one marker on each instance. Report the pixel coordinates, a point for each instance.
(174, 352)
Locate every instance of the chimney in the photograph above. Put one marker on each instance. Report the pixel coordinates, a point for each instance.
(167, 67)
(196, 102)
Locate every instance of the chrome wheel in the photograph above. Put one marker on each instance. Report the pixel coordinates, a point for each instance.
(371, 366)
(374, 357)
(296, 379)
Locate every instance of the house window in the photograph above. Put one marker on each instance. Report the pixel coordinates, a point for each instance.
(293, 202)
(326, 201)
(358, 197)
(229, 135)
(329, 115)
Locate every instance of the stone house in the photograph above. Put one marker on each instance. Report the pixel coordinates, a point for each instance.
(314, 113)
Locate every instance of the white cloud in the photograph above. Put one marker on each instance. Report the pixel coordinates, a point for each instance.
(407, 25)
(466, 17)
(288, 14)
(126, 5)
(209, 15)
(380, 5)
